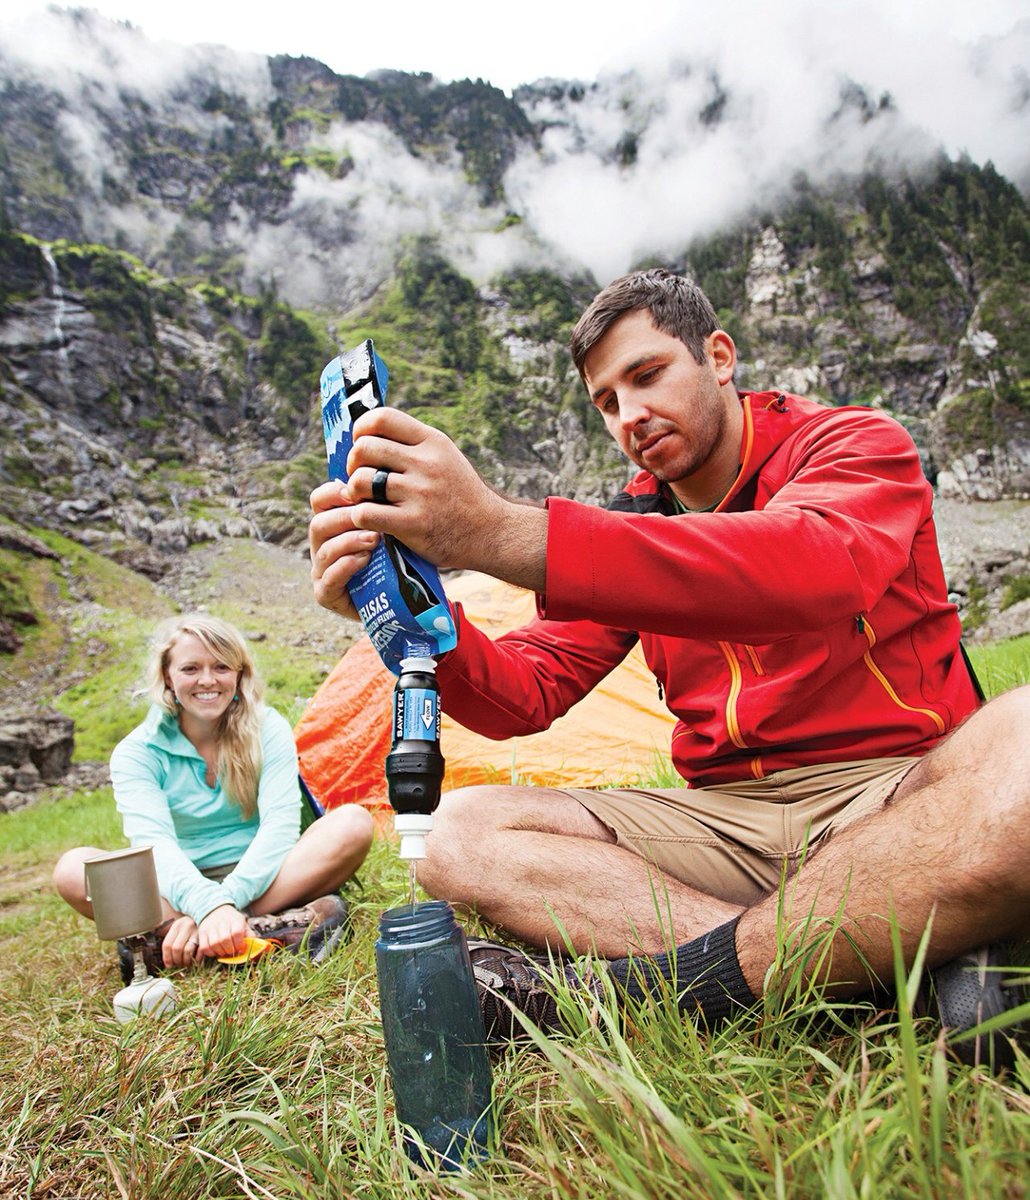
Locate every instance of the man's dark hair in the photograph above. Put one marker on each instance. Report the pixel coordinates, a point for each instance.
(677, 307)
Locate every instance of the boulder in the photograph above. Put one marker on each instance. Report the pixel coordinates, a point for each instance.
(35, 749)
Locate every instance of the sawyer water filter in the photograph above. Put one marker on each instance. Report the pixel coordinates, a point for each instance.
(415, 766)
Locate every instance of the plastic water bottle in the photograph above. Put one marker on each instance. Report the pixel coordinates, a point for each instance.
(433, 1028)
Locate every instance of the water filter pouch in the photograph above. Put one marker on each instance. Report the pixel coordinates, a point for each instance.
(398, 595)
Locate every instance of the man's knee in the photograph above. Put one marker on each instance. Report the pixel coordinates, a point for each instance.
(464, 825)
(476, 814)
(457, 813)
(1009, 712)
(456, 809)
(992, 738)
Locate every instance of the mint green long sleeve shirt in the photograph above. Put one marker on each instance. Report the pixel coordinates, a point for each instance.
(165, 802)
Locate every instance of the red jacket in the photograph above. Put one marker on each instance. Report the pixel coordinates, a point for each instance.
(806, 620)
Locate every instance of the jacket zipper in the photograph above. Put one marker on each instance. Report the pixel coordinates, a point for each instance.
(736, 679)
(863, 626)
(736, 682)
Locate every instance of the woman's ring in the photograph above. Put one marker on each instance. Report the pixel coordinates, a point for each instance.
(379, 485)
(194, 942)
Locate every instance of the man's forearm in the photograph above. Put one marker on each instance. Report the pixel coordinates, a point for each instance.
(514, 547)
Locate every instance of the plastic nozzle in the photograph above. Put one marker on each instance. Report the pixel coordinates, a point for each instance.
(425, 665)
(413, 829)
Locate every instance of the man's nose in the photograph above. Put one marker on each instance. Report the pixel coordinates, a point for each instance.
(633, 413)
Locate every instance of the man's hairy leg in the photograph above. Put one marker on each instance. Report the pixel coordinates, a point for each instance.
(527, 857)
(953, 843)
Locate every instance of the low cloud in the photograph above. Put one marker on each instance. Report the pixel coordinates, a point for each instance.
(704, 128)
(677, 139)
(99, 62)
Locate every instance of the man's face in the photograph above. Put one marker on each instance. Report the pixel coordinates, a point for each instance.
(667, 412)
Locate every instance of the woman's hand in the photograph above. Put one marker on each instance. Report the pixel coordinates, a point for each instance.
(181, 943)
(222, 933)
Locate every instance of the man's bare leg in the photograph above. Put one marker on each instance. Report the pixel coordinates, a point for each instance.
(523, 856)
(954, 842)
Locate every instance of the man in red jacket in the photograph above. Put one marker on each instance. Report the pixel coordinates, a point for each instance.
(778, 562)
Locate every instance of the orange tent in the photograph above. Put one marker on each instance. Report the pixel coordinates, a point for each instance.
(612, 736)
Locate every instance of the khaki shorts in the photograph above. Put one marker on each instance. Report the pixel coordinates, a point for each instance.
(733, 841)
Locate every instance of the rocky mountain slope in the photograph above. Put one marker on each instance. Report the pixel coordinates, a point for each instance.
(185, 240)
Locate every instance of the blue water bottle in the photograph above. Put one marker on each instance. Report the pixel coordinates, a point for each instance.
(433, 1028)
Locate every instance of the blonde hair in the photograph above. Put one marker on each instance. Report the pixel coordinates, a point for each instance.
(239, 730)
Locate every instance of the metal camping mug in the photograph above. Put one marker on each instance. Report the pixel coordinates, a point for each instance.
(122, 887)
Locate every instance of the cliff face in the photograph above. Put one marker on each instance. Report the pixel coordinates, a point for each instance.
(138, 415)
(911, 296)
(177, 261)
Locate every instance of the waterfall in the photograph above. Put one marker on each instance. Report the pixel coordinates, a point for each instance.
(58, 308)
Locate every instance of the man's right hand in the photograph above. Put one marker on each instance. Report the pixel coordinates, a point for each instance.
(338, 550)
(436, 504)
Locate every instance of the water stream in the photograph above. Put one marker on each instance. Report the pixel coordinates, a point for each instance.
(58, 308)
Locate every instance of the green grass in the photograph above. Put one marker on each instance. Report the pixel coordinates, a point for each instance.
(94, 621)
(86, 655)
(1002, 665)
(272, 1082)
(290, 673)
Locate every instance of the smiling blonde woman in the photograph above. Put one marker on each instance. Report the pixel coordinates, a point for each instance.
(210, 780)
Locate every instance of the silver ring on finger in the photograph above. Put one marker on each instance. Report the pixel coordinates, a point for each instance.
(379, 485)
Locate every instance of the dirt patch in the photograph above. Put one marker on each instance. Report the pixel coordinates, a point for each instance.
(266, 588)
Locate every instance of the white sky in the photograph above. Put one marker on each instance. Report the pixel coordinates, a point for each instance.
(512, 43)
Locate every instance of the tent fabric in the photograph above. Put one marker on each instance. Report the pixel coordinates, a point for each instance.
(612, 736)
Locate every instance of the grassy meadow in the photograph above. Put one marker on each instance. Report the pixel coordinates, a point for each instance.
(271, 1081)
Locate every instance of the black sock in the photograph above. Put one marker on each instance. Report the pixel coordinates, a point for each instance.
(704, 972)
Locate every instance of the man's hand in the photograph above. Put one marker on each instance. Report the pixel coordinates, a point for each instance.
(338, 550)
(436, 504)
(222, 933)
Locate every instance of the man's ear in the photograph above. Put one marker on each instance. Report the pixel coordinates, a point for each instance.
(723, 354)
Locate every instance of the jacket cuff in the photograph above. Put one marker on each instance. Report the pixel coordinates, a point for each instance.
(570, 559)
(203, 898)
